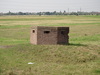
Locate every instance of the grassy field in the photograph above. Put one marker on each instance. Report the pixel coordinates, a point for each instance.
(80, 57)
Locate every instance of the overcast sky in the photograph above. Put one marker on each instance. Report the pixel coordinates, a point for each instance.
(49, 5)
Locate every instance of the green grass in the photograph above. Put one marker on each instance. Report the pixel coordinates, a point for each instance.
(49, 59)
(23, 19)
(97, 71)
(87, 38)
(80, 57)
(15, 26)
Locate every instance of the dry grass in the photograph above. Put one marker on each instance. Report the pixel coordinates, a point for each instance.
(80, 57)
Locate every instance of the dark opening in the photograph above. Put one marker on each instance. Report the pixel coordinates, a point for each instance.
(63, 32)
(33, 31)
(46, 32)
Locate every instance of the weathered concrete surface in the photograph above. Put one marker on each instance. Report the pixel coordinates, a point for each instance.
(49, 35)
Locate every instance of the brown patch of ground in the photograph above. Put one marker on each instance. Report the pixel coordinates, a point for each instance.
(5, 46)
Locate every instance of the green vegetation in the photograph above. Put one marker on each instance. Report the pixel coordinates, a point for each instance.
(80, 57)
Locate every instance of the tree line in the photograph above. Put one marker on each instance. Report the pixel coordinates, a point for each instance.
(51, 13)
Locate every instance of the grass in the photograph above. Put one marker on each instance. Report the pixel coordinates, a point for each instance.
(15, 26)
(80, 57)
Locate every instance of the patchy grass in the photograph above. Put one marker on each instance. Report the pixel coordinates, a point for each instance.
(97, 71)
(80, 57)
(13, 26)
(49, 59)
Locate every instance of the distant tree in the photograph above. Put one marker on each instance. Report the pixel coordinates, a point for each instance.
(1, 14)
(60, 13)
(39, 13)
(20, 13)
(64, 13)
(74, 13)
(47, 13)
(9, 13)
(54, 13)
